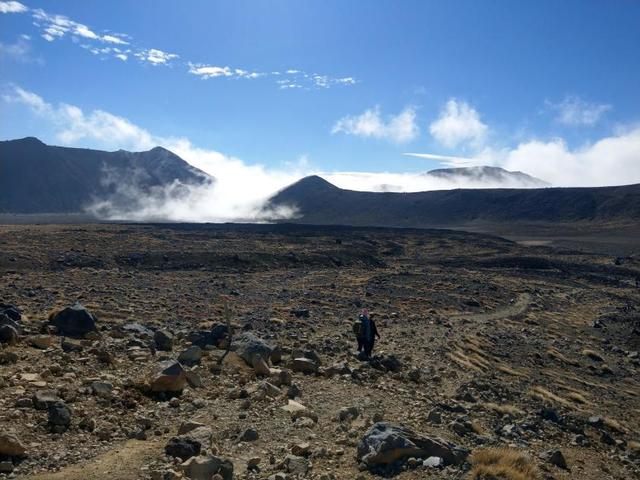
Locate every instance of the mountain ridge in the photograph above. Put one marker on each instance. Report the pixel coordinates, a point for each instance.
(40, 178)
(323, 203)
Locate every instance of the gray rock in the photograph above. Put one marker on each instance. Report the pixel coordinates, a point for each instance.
(11, 446)
(207, 468)
(433, 462)
(249, 435)
(43, 399)
(191, 356)
(59, 417)
(247, 345)
(386, 443)
(555, 457)
(163, 340)
(170, 378)
(74, 321)
(304, 365)
(296, 465)
(8, 335)
(182, 447)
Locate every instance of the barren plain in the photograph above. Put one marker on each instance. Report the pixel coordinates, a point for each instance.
(485, 343)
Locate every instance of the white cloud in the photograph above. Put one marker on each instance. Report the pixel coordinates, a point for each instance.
(57, 26)
(210, 71)
(458, 123)
(12, 7)
(574, 111)
(20, 51)
(155, 56)
(398, 128)
(121, 56)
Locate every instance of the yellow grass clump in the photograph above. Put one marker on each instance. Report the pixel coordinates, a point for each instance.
(502, 464)
(502, 409)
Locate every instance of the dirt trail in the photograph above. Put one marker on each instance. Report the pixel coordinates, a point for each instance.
(123, 462)
(512, 310)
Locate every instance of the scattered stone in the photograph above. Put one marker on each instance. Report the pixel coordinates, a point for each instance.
(191, 356)
(11, 446)
(101, 389)
(296, 465)
(182, 447)
(249, 435)
(207, 468)
(8, 335)
(171, 378)
(247, 345)
(43, 399)
(300, 312)
(386, 443)
(41, 341)
(301, 449)
(303, 365)
(163, 340)
(348, 413)
(137, 329)
(59, 417)
(555, 457)
(260, 366)
(434, 417)
(433, 462)
(70, 345)
(74, 321)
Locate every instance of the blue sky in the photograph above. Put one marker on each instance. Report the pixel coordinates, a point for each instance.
(547, 87)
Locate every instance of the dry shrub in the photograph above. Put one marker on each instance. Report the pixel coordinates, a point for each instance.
(593, 355)
(503, 409)
(502, 464)
(634, 447)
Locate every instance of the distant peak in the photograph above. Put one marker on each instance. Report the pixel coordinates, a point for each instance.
(34, 140)
(314, 180)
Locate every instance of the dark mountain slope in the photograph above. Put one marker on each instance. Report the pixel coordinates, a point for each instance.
(320, 202)
(38, 178)
(487, 175)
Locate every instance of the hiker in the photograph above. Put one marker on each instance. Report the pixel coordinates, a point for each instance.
(361, 328)
(371, 340)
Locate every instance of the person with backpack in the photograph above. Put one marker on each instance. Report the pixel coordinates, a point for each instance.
(371, 339)
(361, 328)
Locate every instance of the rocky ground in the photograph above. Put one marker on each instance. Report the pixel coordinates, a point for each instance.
(485, 343)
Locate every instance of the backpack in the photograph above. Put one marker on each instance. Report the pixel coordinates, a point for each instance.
(357, 327)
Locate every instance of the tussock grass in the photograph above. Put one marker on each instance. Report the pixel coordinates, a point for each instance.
(502, 409)
(634, 447)
(509, 371)
(553, 353)
(577, 397)
(546, 396)
(593, 355)
(614, 425)
(502, 464)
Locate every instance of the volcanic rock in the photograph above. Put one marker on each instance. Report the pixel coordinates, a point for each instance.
(74, 321)
(386, 443)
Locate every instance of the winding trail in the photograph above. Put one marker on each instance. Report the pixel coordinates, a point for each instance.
(512, 310)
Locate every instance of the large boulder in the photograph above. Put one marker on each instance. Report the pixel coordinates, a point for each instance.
(247, 346)
(385, 444)
(74, 321)
(163, 340)
(170, 377)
